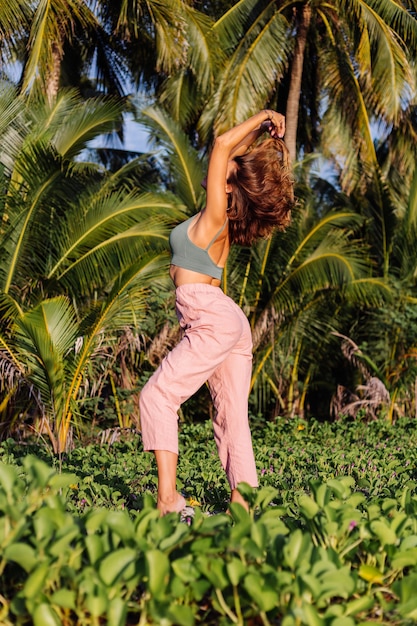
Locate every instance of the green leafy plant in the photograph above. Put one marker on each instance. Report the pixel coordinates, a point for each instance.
(330, 538)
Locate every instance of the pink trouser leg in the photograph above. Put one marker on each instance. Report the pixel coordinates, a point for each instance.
(229, 388)
(216, 347)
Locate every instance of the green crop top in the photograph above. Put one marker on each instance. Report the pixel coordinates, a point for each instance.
(187, 255)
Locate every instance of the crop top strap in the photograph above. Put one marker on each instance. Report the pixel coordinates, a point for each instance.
(216, 235)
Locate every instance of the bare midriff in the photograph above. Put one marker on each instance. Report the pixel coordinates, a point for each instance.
(181, 276)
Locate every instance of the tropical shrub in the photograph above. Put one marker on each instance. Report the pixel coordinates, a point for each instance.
(80, 248)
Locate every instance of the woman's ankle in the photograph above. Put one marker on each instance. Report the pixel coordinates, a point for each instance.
(170, 503)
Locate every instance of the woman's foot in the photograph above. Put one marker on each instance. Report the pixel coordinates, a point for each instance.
(171, 504)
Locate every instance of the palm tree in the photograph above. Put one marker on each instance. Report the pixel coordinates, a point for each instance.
(79, 248)
(69, 42)
(332, 67)
(35, 34)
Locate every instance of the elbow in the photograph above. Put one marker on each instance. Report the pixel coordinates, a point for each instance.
(223, 144)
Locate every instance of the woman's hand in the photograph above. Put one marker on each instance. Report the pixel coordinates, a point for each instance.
(274, 124)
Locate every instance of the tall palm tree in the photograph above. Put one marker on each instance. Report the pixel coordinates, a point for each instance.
(331, 66)
(79, 248)
(118, 44)
(36, 34)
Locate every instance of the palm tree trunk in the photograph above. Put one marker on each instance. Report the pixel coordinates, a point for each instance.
(54, 73)
(52, 81)
(293, 102)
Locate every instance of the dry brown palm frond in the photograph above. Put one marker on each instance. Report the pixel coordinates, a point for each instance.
(164, 341)
(109, 436)
(10, 373)
(372, 397)
(341, 400)
(351, 351)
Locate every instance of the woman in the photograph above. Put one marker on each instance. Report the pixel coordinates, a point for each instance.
(249, 193)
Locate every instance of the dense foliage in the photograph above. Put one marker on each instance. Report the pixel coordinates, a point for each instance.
(330, 540)
(84, 223)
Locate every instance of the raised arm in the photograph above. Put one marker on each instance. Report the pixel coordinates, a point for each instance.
(230, 144)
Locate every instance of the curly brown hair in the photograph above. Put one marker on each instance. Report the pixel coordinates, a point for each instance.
(262, 193)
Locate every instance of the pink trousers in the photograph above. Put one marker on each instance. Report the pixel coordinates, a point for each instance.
(216, 347)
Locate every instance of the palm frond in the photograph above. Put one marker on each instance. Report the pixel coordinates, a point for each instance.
(204, 53)
(255, 66)
(347, 135)
(12, 124)
(52, 22)
(180, 96)
(70, 123)
(233, 23)
(111, 232)
(170, 27)
(185, 164)
(14, 19)
(391, 75)
(44, 336)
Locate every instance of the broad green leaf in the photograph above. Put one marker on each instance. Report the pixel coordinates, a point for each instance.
(117, 612)
(97, 602)
(343, 621)
(45, 522)
(61, 545)
(36, 580)
(311, 616)
(40, 471)
(65, 598)
(158, 570)
(95, 547)
(355, 499)
(263, 595)
(44, 615)
(312, 582)
(340, 488)
(365, 603)
(339, 583)
(403, 559)
(259, 535)
(298, 547)
(322, 494)
(185, 569)
(308, 506)
(214, 570)
(235, 570)
(95, 520)
(385, 534)
(121, 524)
(115, 564)
(8, 477)
(179, 533)
(180, 614)
(408, 542)
(60, 481)
(242, 527)
(23, 554)
(265, 496)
